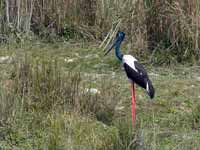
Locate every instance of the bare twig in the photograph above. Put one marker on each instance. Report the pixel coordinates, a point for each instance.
(7, 12)
(110, 35)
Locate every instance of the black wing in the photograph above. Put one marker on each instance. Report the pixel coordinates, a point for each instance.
(140, 77)
(141, 69)
(137, 77)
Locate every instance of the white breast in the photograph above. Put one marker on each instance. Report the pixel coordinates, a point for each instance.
(129, 60)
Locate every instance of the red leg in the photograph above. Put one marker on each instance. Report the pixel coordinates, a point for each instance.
(133, 103)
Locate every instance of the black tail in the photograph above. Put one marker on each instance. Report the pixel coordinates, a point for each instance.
(150, 91)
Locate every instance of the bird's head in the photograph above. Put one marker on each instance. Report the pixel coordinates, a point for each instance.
(117, 40)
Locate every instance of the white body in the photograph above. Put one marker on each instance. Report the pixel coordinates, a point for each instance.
(130, 60)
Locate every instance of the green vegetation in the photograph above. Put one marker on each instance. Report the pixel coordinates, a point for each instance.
(157, 28)
(58, 92)
(48, 101)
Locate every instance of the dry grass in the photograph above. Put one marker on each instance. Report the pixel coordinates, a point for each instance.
(171, 25)
(42, 108)
(64, 109)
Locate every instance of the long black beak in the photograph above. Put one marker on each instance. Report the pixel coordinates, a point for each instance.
(111, 46)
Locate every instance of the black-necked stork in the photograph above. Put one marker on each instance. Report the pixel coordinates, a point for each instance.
(134, 71)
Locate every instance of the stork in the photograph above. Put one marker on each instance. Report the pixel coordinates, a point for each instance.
(134, 71)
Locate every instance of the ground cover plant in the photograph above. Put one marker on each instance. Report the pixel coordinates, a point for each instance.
(48, 104)
(59, 92)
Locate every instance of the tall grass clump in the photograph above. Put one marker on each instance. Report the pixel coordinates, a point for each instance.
(43, 106)
(47, 18)
(44, 85)
(173, 29)
(195, 117)
(169, 28)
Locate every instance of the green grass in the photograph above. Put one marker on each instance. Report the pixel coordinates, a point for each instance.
(44, 103)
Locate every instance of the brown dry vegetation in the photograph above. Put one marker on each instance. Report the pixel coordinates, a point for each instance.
(45, 104)
(150, 24)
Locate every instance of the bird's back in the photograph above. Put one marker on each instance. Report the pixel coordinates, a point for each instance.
(136, 73)
(130, 61)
